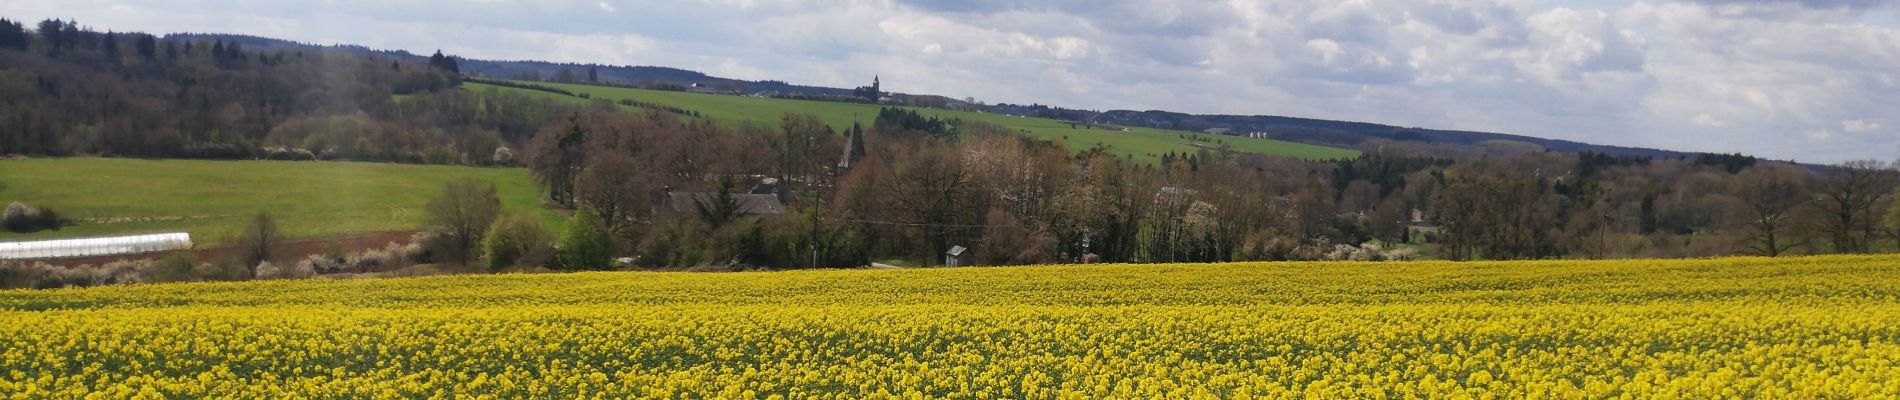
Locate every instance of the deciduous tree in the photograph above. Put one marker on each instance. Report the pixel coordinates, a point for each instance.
(259, 242)
(1770, 194)
(1849, 195)
(517, 240)
(462, 215)
(584, 244)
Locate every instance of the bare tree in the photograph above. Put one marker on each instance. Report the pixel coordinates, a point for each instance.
(555, 157)
(463, 214)
(800, 136)
(1388, 220)
(1770, 194)
(618, 188)
(933, 192)
(1358, 196)
(259, 240)
(1849, 196)
(1497, 215)
(1893, 216)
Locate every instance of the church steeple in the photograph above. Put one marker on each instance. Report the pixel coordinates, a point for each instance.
(870, 93)
(853, 148)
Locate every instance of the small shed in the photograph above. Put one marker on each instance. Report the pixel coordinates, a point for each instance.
(954, 257)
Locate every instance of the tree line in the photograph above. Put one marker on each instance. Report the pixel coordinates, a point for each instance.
(1013, 200)
(68, 90)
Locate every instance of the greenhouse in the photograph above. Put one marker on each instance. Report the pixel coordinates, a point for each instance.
(94, 247)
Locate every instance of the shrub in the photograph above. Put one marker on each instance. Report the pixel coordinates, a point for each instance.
(285, 153)
(1369, 251)
(176, 267)
(373, 260)
(460, 216)
(672, 244)
(504, 156)
(517, 240)
(443, 155)
(422, 247)
(413, 252)
(40, 275)
(259, 240)
(389, 258)
(1401, 254)
(226, 270)
(121, 272)
(323, 263)
(268, 270)
(22, 218)
(18, 274)
(184, 266)
(585, 243)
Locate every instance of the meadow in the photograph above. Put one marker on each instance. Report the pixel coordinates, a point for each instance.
(213, 200)
(1142, 144)
(1814, 327)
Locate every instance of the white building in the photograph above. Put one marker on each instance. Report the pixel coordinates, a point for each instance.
(94, 247)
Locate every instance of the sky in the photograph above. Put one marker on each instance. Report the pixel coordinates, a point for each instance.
(1806, 80)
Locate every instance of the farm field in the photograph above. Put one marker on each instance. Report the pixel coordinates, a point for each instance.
(1143, 144)
(213, 200)
(1815, 327)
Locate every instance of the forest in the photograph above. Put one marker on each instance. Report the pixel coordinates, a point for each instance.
(675, 191)
(1012, 200)
(70, 91)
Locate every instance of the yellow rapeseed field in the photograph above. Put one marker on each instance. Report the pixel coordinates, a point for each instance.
(1817, 327)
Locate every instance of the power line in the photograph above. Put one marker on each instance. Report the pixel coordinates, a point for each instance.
(917, 224)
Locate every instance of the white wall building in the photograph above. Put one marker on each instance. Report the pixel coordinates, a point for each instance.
(94, 247)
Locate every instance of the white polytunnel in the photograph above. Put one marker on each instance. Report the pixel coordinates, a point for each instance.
(94, 246)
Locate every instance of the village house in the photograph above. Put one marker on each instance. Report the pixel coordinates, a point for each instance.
(671, 204)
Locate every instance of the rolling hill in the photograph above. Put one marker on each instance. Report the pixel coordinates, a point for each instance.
(513, 69)
(1141, 144)
(1319, 132)
(1350, 134)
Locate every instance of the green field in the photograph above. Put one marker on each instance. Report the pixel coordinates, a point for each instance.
(213, 200)
(1143, 144)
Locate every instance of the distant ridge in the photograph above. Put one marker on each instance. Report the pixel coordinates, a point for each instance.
(1348, 133)
(1294, 129)
(514, 69)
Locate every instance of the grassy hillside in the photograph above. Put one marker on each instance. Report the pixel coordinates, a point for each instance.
(1144, 144)
(1818, 327)
(214, 199)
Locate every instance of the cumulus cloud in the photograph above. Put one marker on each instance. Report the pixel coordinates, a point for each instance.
(1820, 4)
(1807, 79)
(1708, 121)
(1858, 126)
(1772, 68)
